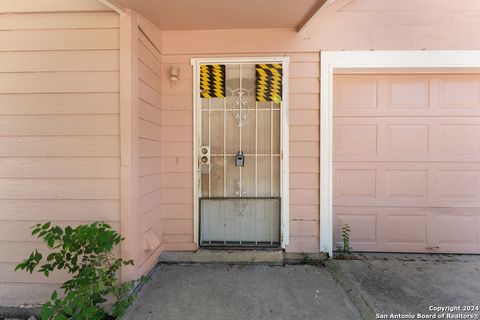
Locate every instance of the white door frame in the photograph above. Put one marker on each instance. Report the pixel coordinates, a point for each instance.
(370, 61)
(284, 137)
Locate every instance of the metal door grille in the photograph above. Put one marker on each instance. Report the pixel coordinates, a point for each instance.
(235, 123)
(240, 222)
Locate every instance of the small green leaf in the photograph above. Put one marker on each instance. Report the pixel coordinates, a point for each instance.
(46, 313)
(60, 317)
(37, 255)
(20, 266)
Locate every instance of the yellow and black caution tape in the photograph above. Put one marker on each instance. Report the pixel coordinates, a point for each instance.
(212, 81)
(269, 82)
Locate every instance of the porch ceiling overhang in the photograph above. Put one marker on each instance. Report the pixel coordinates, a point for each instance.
(224, 14)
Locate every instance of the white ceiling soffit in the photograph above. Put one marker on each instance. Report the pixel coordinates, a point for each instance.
(225, 14)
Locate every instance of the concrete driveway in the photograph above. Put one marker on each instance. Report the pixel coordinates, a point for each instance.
(200, 291)
(411, 284)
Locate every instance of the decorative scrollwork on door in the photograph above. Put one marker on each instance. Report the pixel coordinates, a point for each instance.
(240, 106)
(240, 191)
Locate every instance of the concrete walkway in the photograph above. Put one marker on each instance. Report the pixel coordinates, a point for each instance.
(242, 292)
(410, 283)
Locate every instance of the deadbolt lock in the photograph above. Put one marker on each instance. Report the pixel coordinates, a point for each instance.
(204, 159)
(204, 155)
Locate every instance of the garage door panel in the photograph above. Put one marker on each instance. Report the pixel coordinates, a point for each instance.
(407, 138)
(441, 230)
(419, 139)
(458, 92)
(456, 229)
(419, 184)
(355, 93)
(353, 138)
(388, 225)
(407, 162)
(458, 185)
(404, 92)
(462, 138)
(363, 226)
(402, 203)
(432, 111)
(408, 157)
(406, 229)
(355, 183)
(406, 183)
(406, 95)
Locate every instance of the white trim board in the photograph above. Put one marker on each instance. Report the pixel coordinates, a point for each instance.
(338, 61)
(114, 5)
(284, 137)
(315, 14)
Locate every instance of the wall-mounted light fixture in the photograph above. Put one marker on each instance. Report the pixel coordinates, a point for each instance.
(174, 73)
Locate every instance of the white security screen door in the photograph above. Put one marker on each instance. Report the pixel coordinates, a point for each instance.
(239, 171)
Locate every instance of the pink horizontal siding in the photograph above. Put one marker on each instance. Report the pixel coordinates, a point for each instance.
(178, 160)
(60, 128)
(150, 121)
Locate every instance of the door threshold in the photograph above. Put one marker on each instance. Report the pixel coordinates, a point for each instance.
(229, 256)
(224, 256)
(237, 245)
(240, 248)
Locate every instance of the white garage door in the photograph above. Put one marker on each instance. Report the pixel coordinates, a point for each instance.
(407, 161)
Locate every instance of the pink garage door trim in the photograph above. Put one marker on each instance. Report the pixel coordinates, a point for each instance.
(406, 167)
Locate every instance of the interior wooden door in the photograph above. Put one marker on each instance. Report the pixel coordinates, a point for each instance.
(240, 202)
